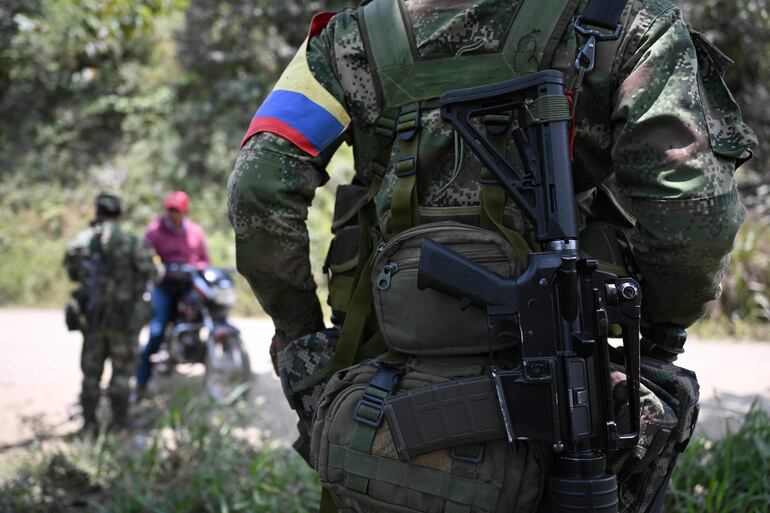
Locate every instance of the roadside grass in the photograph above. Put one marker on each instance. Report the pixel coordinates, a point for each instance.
(720, 328)
(198, 457)
(729, 475)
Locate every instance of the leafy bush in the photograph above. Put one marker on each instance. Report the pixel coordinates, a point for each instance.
(198, 458)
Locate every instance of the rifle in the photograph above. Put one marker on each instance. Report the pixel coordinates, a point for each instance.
(563, 305)
(92, 288)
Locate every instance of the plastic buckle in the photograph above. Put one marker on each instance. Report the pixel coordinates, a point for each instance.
(596, 33)
(385, 130)
(663, 341)
(408, 122)
(384, 381)
(407, 166)
(475, 459)
(373, 403)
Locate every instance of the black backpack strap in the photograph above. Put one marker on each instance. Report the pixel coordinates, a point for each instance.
(603, 13)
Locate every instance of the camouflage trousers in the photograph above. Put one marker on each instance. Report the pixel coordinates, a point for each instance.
(121, 347)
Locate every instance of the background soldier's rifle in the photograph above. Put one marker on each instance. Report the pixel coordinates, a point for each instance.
(93, 301)
(563, 305)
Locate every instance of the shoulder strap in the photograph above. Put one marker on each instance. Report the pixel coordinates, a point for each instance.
(603, 13)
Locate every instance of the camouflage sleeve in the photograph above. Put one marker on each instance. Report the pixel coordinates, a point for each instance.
(143, 261)
(269, 192)
(677, 134)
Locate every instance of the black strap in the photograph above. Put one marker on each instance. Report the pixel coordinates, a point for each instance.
(603, 13)
(663, 341)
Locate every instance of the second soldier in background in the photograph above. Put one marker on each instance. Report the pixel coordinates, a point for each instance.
(112, 269)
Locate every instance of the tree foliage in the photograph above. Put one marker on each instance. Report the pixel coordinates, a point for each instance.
(63, 72)
(148, 95)
(231, 52)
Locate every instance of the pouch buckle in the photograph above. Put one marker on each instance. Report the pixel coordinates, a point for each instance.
(370, 409)
(469, 458)
(362, 416)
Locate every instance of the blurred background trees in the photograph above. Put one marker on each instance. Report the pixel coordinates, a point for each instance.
(148, 95)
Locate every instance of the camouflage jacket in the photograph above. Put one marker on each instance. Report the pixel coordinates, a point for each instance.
(655, 125)
(127, 266)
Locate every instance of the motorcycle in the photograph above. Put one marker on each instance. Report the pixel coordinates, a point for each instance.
(200, 331)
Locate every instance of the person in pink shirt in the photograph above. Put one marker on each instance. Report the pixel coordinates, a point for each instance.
(176, 240)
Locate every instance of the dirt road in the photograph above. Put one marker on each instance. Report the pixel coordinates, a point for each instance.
(40, 377)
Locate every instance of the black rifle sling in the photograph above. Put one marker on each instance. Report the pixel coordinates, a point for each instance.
(100, 267)
(603, 13)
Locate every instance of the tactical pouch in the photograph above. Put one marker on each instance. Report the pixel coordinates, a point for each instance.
(352, 448)
(426, 322)
(342, 258)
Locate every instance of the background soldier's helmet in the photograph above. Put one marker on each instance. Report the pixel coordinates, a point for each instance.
(108, 203)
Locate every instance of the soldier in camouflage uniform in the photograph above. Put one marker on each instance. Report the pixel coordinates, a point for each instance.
(657, 137)
(113, 269)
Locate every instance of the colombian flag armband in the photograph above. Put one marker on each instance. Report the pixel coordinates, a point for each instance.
(300, 109)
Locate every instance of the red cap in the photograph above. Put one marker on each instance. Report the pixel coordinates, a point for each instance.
(177, 200)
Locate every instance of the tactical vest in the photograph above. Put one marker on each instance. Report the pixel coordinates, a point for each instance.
(375, 227)
(111, 286)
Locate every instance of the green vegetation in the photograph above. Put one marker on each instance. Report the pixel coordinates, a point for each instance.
(197, 458)
(145, 96)
(729, 475)
(153, 95)
(37, 221)
(200, 458)
(138, 97)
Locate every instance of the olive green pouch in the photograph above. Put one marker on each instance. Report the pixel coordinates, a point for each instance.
(427, 322)
(359, 465)
(342, 257)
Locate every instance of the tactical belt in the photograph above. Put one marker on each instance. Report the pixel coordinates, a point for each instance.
(457, 413)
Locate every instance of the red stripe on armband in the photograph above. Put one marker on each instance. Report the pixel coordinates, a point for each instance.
(278, 127)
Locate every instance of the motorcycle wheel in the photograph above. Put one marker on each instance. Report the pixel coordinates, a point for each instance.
(228, 371)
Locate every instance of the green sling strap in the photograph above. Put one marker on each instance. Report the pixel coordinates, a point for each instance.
(369, 414)
(404, 206)
(493, 211)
